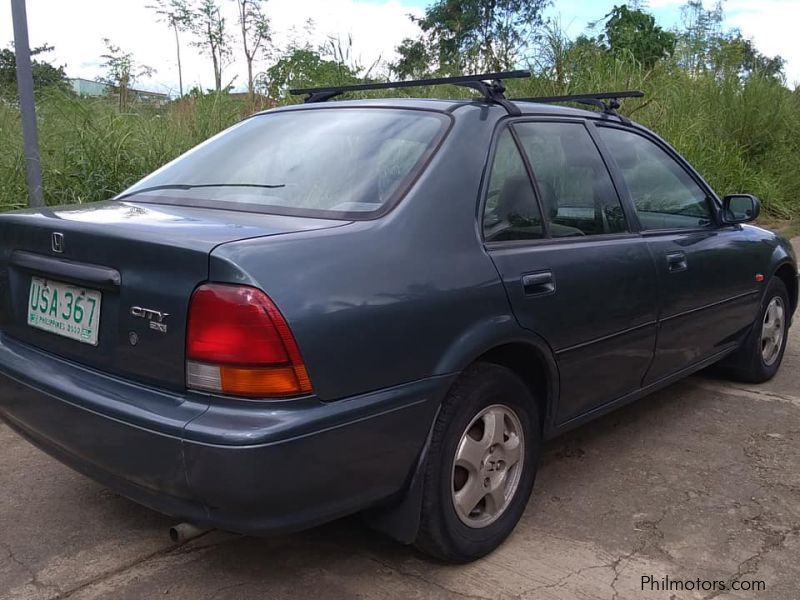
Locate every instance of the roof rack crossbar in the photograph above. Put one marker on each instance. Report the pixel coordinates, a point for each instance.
(597, 100)
(490, 85)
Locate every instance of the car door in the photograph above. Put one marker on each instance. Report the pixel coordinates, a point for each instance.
(574, 272)
(708, 290)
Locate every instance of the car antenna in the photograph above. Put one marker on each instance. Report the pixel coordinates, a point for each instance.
(598, 99)
(490, 85)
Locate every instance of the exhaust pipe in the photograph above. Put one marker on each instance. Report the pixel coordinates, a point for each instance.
(183, 532)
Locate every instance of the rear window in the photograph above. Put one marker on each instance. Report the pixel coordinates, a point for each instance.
(331, 163)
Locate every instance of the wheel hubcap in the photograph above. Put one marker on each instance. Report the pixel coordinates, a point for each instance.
(487, 466)
(772, 331)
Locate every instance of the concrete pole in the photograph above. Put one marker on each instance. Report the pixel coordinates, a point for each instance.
(27, 105)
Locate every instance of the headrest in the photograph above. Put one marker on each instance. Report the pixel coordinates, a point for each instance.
(516, 197)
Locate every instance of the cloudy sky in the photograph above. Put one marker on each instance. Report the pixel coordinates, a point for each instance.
(77, 27)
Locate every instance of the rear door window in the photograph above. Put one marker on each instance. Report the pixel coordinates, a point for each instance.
(664, 194)
(575, 187)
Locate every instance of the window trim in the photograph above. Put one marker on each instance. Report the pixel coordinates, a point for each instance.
(621, 186)
(712, 200)
(508, 123)
(583, 239)
(537, 194)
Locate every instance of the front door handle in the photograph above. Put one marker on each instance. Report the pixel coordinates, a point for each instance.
(676, 262)
(538, 284)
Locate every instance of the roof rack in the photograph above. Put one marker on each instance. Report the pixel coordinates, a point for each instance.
(609, 108)
(490, 85)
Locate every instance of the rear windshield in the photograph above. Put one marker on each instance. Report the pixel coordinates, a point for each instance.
(332, 163)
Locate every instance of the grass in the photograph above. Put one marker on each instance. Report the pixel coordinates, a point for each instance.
(743, 136)
(91, 151)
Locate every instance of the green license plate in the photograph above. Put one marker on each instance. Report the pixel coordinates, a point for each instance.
(64, 309)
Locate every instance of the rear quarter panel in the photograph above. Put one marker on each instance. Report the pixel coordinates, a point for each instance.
(378, 303)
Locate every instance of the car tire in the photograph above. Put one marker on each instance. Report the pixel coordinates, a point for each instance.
(485, 398)
(761, 353)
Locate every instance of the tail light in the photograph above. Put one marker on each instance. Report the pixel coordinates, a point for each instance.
(238, 343)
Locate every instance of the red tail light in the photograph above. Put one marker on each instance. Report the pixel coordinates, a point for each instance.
(238, 343)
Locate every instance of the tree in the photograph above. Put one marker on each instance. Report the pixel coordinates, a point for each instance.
(45, 75)
(177, 16)
(255, 29)
(754, 61)
(209, 27)
(480, 35)
(122, 71)
(305, 67)
(634, 32)
(701, 30)
(703, 47)
(415, 60)
(737, 56)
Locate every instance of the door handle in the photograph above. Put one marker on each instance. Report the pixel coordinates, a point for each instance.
(676, 262)
(538, 284)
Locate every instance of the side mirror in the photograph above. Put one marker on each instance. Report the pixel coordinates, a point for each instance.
(740, 208)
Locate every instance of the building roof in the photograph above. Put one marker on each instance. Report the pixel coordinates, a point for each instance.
(88, 87)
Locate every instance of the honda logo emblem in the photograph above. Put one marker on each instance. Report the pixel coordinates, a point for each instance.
(57, 242)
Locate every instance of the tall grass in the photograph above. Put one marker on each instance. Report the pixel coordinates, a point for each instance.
(91, 151)
(743, 136)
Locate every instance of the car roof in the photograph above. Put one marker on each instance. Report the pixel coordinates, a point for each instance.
(442, 105)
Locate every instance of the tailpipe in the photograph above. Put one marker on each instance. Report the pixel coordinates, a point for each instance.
(183, 532)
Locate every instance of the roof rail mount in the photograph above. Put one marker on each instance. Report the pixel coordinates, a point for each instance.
(597, 99)
(489, 85)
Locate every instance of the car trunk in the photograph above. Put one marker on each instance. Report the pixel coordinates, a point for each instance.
(145, 260)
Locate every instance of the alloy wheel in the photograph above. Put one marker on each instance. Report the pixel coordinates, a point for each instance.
(488, 465)
(772, 331)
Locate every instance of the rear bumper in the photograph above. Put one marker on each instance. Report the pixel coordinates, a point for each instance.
(251, 467)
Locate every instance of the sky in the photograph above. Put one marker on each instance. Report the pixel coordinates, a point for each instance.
(76, 29)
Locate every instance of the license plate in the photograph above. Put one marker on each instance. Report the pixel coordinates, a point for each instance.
(64, 309)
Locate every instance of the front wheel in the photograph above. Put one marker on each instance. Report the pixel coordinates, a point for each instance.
(480, 466)
(762, 352)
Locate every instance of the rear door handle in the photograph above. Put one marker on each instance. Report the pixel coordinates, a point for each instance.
(676, 262)
(538, 284)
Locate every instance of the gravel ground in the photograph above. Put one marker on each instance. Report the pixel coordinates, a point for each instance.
(697, 481)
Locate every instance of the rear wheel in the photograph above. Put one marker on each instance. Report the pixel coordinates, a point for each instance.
(762, 352)
(480, 466)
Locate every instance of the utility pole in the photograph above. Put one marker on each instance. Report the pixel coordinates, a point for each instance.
(27, 105)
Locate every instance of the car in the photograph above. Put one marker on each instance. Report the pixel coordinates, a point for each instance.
(378, 306)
